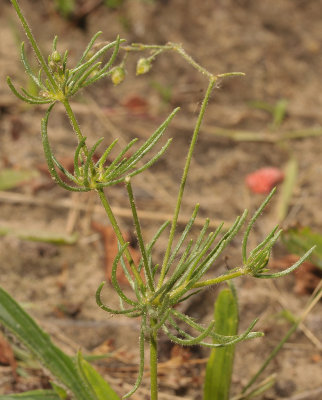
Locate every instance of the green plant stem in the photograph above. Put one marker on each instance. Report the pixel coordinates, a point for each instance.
(211, 84)
(119, 236)
(76, 128)
(34, 44)
(153, 360)
(169, 46)
(179, 49)
(73, 120)
(209, 282)
(222, 278)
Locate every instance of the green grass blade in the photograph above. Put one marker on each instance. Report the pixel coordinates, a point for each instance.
(13, 317)
(59, 391)
(11, 178)
(100, 387)
(220, 364)
(291, 174)
(299, 240)
(33, 395)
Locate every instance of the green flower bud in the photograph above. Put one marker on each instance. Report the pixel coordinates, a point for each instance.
(143, 66)
(118, 75)
(55, 56)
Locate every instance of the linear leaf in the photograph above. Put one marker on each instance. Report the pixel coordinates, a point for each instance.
(299, 240)
(101, 388)
(38, 342)
(33, 395)
(11, 178)
(220, 364)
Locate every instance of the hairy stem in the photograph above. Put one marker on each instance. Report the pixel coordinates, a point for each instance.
(153, 360)
(73, 121)
(212, 82)
(180, 290)
(119, 236)
(179, 49)
(222, 278)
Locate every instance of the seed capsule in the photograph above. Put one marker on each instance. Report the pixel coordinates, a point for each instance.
(118, 75)
(143, 66)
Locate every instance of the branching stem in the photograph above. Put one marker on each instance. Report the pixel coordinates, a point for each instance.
(180, 50)
(222, 278)
(73, 120)
(211, 85)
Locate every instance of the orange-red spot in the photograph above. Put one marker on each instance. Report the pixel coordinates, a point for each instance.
(263, 180)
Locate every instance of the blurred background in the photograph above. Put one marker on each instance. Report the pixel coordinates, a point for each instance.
(260, 130)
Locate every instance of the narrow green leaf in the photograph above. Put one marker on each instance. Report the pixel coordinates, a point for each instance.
(29, 333)
(24, 98)
(288, 270)
(153, 160)
(64, 170)
(154, 138)
(28, 68)
(291, 172)
(10, 178)
(220, 364)
(61, 392)
(40, 236)
(99, 386)
(49, 157)
(180, 242)
(299, 240)
(114, 164)
(88, 48)
(279, 113)
(32, 395)
(252, 222)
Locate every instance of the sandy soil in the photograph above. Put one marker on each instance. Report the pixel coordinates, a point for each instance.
(279, 48)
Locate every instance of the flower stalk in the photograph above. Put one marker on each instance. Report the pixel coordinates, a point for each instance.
(184, 178)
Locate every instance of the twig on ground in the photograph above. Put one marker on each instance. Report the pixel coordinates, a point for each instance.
(10, 197)
(307, 395)
(307, 332)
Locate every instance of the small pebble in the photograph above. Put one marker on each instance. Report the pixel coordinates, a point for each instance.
(285, 388)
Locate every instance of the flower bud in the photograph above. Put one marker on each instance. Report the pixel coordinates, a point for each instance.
(117, 75)
(55, 56)
(143, 66)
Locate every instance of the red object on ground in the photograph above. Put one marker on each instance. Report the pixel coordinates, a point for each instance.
(263, 180)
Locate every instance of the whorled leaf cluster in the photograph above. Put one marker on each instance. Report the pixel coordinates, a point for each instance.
(56, 82)
(89, 174)
(155, 299)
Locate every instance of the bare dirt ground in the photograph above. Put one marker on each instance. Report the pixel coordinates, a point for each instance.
(278, 46)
